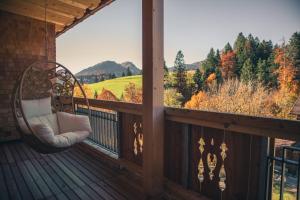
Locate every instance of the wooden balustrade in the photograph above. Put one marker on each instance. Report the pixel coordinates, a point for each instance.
(246, 139)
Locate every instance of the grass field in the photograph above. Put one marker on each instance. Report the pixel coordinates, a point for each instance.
(117, 85)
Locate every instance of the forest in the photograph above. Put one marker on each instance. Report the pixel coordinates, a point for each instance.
(252, 76)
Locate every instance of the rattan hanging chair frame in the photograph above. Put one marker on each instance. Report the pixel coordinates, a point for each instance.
(56, 82)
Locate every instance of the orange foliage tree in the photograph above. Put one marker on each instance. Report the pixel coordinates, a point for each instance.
(132, 94)
(228, 64)
(196, 101)
(87, 89)
(286, 71)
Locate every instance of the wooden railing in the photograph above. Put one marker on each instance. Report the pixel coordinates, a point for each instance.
(236, 149)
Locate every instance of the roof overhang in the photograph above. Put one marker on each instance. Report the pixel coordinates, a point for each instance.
(65, 14)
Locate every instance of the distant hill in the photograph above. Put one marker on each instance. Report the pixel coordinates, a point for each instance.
(109, 67)
(192, 66)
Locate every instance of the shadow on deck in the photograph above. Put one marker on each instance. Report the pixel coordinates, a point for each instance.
(73, 174)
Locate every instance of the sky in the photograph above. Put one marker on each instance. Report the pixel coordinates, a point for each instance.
(193, 26)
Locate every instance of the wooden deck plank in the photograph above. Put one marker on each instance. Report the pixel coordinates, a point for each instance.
(117, 192)
(73, 174)
(3, 186)
(94, 180)
(37, 194)
(11, 184)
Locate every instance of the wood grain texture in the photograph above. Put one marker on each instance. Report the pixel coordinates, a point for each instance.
(153, 108)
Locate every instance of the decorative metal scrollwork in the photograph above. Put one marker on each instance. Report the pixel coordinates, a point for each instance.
(200, 164)
(138, 139)
(211, 162)
(222, 173)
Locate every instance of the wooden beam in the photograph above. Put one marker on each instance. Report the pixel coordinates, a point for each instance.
(35, 12)
(153, 108)
(87, 13)
(59, 8)
(83, 4)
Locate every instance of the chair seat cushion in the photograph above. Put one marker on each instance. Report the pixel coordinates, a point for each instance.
(46, 135)
(49, 120)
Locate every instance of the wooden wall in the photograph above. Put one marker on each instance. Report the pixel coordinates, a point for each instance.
(128, 136)
(243, 162)
(22, 43)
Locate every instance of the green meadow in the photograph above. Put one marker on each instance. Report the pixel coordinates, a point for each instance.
(117, 85)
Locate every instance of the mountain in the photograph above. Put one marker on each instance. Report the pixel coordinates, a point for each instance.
(192, 66)
(109, 67)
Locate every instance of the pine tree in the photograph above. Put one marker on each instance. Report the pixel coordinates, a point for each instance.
(166, 70)
(294, 49)
(263, 73)
(238, 47)
(128, 72)
(95, 94)
(123, 74)
(247, 72)
(180, 75)
(227, 48)
(198, 79)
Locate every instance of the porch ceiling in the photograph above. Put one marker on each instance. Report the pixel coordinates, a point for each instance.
(63, 13)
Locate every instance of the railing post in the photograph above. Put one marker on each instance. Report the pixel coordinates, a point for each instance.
(153, 109)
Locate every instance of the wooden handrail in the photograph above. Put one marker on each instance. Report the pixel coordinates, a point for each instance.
(239, 123)
(113, 105)
(253, 125)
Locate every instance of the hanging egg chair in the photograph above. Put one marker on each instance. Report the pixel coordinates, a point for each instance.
(44, 109)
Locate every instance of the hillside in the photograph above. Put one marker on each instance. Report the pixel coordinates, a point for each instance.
(109, 67)
(117, 85)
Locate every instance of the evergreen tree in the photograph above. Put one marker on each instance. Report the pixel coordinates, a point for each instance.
(294, 49)
(95, 94)
(180, 75)
(166, 71)
(198, 80)
(123, 74)
(264, 50)
(113, 76)
(218, 58)
(128, 72)
(227, 48)
(263, 73)
(238, 47)
(248, 71)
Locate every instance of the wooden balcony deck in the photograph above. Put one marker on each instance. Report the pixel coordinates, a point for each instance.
(73, 174)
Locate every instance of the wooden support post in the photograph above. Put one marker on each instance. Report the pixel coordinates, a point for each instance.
(153, 108)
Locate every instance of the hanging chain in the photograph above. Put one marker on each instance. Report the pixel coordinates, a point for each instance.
(46, 33)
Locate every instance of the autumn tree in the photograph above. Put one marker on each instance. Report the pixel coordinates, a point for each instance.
(180, 74)
(132, 94)
(228, 65)
(286, 71)
(172, 98)
(87, 90)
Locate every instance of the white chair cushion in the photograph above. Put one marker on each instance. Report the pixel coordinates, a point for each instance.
(36, 107)
(71, 123)
(49, 120)
(46, 135)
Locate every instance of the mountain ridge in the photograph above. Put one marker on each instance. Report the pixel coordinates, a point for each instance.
(109, 67)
